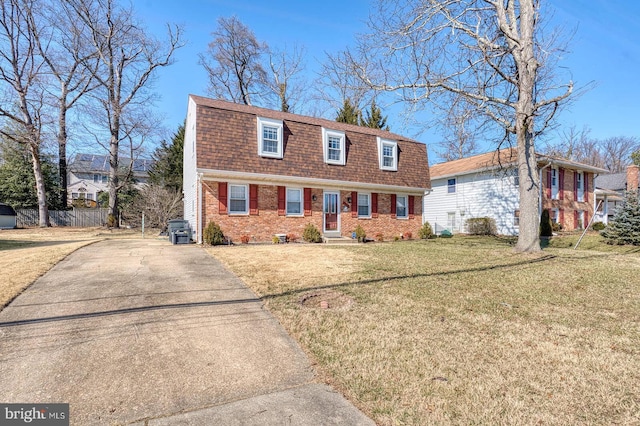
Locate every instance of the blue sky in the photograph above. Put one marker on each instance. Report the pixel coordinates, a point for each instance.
(605, 49)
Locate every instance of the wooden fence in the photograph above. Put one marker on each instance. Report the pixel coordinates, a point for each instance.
(81, 218)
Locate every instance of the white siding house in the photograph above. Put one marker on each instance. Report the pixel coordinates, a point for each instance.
(486, 185)
(455, 198)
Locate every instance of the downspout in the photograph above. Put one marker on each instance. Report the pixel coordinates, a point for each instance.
(540, 197)
(199, 208)
(424, 205)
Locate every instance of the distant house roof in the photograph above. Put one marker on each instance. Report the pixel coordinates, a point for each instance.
(89, 163)
(507, 157)
(614, 181)
(227, 143)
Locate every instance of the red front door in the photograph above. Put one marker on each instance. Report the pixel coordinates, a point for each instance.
(331, 211)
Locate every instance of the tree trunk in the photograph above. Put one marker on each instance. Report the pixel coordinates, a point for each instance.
(43, 211)
(527, 66)
(113, 180)
(62, 147)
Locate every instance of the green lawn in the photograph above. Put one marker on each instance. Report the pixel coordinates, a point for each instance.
(462, 330)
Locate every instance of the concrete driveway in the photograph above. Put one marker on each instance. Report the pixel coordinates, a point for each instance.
(141, 331)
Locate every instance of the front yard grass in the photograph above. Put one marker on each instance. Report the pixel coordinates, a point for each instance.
(462, 330)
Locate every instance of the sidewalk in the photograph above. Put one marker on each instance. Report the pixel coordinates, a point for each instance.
(143, 332)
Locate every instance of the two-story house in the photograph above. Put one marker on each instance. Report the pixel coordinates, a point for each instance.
(487, 185)
(258, 173)
(88, 176)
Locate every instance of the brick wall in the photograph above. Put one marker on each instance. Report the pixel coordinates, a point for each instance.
(567, 203)
(262, 226)
(633, 178)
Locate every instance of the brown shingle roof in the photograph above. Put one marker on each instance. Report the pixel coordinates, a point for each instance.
(502, 158)
(477, 162)
(227, 140)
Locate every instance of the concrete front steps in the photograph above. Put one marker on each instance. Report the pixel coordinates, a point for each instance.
(339, 240)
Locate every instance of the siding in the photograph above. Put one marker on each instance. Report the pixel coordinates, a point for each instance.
(485, 194)
(190, 178)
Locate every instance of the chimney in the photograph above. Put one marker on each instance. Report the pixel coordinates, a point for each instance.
(633, 180)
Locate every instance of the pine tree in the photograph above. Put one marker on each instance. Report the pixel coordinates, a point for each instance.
(374, 118)
(166, 170)
(17, 182)
(349, 113)
(625, 226)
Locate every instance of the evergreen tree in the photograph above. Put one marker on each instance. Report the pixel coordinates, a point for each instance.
(166, 170)
(349, 113)
(17, 181)
(635, 157)
(625, 226)
(374, 118)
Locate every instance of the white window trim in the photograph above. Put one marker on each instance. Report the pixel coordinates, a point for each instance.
(451, 225)
(580, 179)
(555, 193)
(271, 123)
(368, 215)
(381, 144)
(455, 185)
(406, 206)
(286, 202)
(325, 146)
(246, 193)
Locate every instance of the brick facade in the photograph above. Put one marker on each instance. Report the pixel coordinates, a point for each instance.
(266, 222)
(633, 178)
(566, 203)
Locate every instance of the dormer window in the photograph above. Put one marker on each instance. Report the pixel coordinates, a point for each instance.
(333, 142)
(269, 137)
(388, 154)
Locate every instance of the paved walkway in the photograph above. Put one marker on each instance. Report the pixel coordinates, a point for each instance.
(144, 332)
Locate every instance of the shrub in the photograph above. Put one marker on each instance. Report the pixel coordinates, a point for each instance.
(556, 227)
(546, 230)
(213, 235)
(311, 234)
(481, 226)
(396, 238)
(407, 235)
(275, 239)
(245, 239)
(361, 235)
(598, 226)
(379, 237)
(425, 231)
(111, 221)
(292, 238)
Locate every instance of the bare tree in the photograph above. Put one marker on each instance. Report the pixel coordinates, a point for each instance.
(128, 59)
(493, 53)
(234, 62)
(284, 78)
(617, 151)
(613, 153)
(337, 82)
(21, 83)
(460, 127)
(61, 41)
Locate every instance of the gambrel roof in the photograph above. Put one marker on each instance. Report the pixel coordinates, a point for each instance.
(227, 138)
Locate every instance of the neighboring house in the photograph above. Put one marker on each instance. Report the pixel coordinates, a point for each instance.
(8, 217)
(259, 173)
(610, 191)
(88, 176)
(486, 185)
